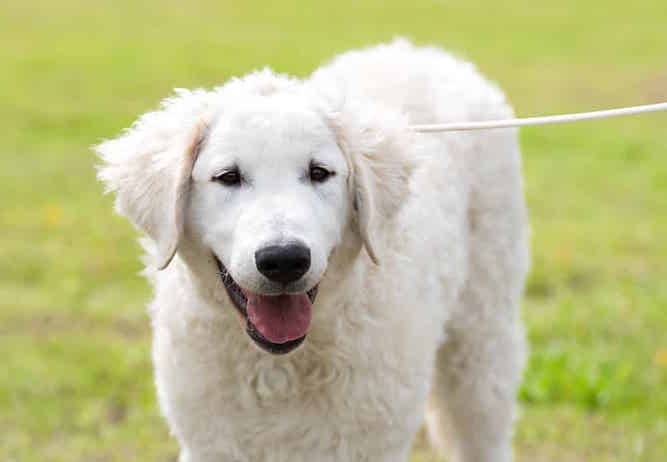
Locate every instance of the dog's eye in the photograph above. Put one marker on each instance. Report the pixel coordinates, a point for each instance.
(319, 174)
(231, 177)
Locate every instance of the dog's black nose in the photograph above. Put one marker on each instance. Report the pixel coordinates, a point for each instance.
(283, 263)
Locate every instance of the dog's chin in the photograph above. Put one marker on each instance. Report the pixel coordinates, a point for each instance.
(282, 342)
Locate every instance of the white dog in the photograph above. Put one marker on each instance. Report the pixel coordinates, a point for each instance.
(328, 274)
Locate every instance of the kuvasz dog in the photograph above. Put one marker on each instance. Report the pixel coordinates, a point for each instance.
(324, 276)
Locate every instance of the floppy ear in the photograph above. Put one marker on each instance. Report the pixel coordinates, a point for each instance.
(379, 150)
(363, 206)
(149, 169)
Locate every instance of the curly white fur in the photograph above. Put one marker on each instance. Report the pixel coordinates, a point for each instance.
(435, 324)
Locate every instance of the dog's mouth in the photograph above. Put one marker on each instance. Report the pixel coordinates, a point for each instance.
(276, 323)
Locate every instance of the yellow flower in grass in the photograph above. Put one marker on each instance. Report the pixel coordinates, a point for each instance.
(54, 215)
(661, 357)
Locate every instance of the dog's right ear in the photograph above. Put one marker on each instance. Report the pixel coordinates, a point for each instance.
(149, 168)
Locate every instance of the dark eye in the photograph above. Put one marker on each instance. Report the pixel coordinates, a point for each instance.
(319, 174)
(231, 177)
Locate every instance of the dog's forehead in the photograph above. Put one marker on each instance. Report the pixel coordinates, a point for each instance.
(272, 132)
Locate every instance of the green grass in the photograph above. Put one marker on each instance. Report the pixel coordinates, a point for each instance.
(75, 383)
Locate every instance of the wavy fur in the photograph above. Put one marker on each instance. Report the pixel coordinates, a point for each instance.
(435, 325)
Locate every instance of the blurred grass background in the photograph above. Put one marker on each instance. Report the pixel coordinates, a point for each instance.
(75, 380)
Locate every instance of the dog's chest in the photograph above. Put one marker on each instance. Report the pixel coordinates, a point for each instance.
(321, 407)
(330, 402)
(311, 383)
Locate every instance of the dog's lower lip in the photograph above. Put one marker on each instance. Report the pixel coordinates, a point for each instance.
(240, 302)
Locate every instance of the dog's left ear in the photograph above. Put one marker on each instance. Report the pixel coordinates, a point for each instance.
(149, 169)
(379, 149)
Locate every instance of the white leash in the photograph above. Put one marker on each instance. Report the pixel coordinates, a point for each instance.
(554, 119)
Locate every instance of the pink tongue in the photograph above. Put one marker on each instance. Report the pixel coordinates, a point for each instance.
(280, 318)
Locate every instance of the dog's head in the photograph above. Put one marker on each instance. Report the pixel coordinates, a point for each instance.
(258, 185)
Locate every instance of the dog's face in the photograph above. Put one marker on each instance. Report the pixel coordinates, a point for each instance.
(270, 199)
(266, 186)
